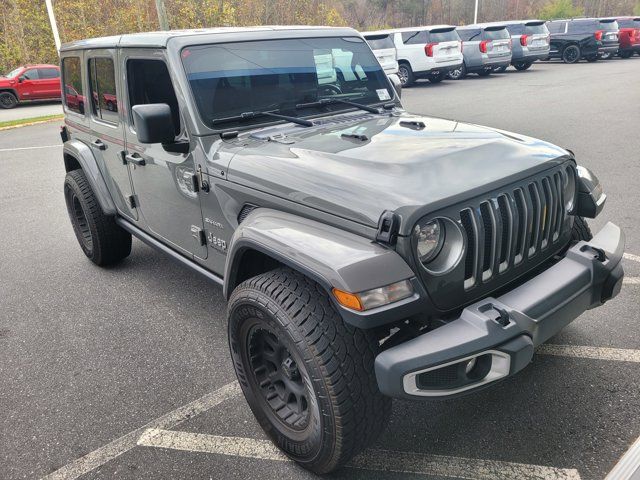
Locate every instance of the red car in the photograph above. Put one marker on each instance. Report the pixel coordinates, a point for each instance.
(629, 36)
(31, 82)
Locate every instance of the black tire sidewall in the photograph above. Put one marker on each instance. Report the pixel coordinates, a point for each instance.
(310, 443)
(71, 188)
(410, 77)
(571, 48)
(11, 97)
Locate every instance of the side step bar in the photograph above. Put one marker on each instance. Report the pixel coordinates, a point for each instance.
(154, 243)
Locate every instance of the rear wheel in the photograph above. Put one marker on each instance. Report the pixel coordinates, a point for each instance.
(606, 56)
(8, 100)
(307, 376)
(522, 66)
(571, 54)
(485, 72)
(436, 77)
(459, 73)
(101, 239)
(625, 54)
(500, 69)
(406, 75)
(580, 230)
(592, 58)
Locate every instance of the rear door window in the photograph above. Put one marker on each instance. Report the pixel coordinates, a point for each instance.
(450, 35)
(48, 73)
(72, 81)
(380, 42)
(557, 27)
(102, 84)
(414, 38)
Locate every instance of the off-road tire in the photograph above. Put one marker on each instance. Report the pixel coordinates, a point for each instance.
(571, 54)
(8, 100)
(522, 66)
(407, 78)
(101, 239)
(334, 360)
(580, 231)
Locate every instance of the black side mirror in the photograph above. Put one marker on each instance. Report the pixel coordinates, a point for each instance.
(20, 79)
(397, 84)
(154, 123)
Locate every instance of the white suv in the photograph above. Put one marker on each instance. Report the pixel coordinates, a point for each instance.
(425, 52)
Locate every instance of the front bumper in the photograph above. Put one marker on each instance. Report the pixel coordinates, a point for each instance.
(500, 334)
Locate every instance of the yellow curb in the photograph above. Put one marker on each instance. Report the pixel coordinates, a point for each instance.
(28, 124)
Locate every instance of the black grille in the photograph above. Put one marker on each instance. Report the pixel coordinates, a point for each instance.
(511, 227)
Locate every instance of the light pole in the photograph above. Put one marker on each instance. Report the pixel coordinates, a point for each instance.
(163, 21)
(475, 13)
(54, 26)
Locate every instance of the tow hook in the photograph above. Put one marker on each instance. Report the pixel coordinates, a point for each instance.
(599, 254)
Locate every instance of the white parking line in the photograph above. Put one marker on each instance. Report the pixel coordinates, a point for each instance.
(125, 443)
(28, 148)
(631, 256)
(628, 467)
(378, 460)
(594, 353)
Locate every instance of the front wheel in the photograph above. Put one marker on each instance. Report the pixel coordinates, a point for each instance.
(522, 66)
(436, 77)
(307, 376)
(571, 54)
(8, 100)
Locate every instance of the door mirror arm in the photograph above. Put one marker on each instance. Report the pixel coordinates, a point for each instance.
(20, 79)
(179, 146)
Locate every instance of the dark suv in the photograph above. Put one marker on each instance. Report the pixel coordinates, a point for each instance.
(588, 38)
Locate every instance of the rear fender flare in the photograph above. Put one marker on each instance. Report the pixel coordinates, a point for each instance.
(87, 161)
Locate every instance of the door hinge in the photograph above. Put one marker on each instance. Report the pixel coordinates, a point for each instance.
(204, 185)
(133, 201)
(195, 183)
(198, 234)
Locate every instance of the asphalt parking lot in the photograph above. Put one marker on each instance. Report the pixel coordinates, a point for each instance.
(124, 372)
(31, 110)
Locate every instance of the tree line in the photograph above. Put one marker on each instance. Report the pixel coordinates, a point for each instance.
(25, 33)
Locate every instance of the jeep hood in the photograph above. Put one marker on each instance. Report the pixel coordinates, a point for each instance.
(359, 165)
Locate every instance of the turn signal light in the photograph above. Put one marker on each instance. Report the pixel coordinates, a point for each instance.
(376, 297)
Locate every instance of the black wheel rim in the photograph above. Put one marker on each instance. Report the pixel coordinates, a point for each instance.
(80, 223)
(6, 100)
(571, 54)
(279, 378)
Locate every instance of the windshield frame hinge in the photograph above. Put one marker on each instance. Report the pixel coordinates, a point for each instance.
(388, 228)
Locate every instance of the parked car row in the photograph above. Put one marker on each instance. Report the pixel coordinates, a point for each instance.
(439, 51)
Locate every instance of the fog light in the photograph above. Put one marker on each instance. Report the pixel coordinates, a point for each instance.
(470, 364)
(376, 297)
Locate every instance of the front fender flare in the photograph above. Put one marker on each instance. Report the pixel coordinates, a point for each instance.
(330, 256)
(83, 154)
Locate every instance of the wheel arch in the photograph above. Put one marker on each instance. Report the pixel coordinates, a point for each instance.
(331, 257)
(10, 90)
(78, 155)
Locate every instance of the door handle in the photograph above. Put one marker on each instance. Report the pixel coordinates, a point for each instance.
(99, 144)
(135, 159)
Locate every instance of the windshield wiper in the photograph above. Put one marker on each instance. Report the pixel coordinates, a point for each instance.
(330, 101)
(249, 115)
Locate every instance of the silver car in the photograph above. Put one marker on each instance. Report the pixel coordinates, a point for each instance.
(530, 41)
(485, 47)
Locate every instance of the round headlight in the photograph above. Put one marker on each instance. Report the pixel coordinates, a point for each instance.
(569, 189)
(429, 239)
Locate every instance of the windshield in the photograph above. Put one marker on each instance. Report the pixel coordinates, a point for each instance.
(494, 33)
(609, 26)
(13, 73)
(275, 75)
(537, 29)
(380, 42)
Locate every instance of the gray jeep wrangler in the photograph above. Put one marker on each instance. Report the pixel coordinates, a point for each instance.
(366, 253)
